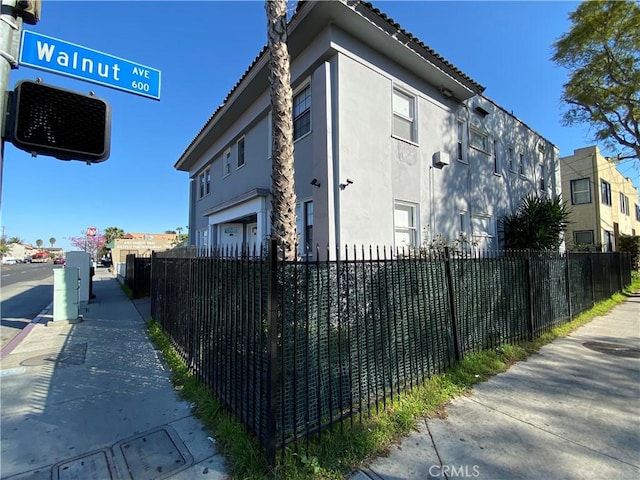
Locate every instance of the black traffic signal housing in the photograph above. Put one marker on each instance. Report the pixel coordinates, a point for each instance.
(46, 120)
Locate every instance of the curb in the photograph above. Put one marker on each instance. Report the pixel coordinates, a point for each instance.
(15, 341)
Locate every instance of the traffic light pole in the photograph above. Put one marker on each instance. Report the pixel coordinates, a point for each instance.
(10, 31)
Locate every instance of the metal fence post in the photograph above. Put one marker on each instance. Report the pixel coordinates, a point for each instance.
(452, 306)
(593, 280)
(528, 277)
(272, 351)
(567, 280)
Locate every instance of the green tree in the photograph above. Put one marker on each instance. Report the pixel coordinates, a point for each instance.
(283, 195)
(538, 224)
(182, 239)
(602, 53)
(52, 240)
(14, 240)
(39, 243)
(110, 233)
(4, 246)
(631, 244)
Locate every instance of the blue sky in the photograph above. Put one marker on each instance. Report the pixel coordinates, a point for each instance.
(202, 48)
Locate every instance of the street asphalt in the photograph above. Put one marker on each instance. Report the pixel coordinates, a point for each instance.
(93, 400)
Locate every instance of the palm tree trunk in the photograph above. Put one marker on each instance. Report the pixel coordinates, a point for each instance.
(283, 201)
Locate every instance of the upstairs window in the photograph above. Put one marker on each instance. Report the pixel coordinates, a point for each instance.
(478, 139)
(404, 110)
(521, 164)
(580, 191)
(605, 192)
(624, 204)
(511, 154)
(460, 139)
(542, 183)
(227, 163)
(302, 113)
(240, 150)
(204, 183)
(638, 213)
(496, 165)
(201, 184)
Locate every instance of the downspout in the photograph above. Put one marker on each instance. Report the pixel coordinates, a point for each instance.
(333, 140)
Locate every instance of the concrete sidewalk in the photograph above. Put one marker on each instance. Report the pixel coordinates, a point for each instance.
(94, 400)
(572, 411)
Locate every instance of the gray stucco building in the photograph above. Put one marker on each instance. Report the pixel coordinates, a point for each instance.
(393, 144)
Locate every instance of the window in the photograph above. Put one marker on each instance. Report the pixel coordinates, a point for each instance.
(605, 192)
(583, 237)
(302, 113)
(638, 213)
(478, 140)
(240, 150)
(227, 163)
(204, 183)
(542, 184)
(460, 137)
(201, 182)
(624, 204)
(304, 226)
(464, 222)
(521, 164)
(405, 225)
(202, 241)
(308, 226)
(496, 166)
(608, 241)
(580, 191)
(404, 116)
(511, 154)
(482, 230)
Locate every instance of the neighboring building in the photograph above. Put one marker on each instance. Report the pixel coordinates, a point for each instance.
(21, 251)
(393, 144)
(140, 244)
(604, 203)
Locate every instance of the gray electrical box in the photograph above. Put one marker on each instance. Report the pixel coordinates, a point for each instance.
(65, 293)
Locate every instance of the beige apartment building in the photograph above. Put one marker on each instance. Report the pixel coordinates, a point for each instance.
(603, 202)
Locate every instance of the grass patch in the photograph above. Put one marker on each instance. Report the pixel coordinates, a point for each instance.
(341, 449)
(127, 291)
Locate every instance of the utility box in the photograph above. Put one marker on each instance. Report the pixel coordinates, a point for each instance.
(81, 261)
(65, 293)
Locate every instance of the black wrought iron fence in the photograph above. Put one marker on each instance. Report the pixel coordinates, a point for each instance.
(292, 348)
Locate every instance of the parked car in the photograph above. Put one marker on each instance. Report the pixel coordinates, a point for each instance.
(58, 261)
(9, 261)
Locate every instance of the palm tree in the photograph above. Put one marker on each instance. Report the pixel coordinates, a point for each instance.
(52, 241)
(538, 224)
(283, 201)
(39, 243)
(14, 240)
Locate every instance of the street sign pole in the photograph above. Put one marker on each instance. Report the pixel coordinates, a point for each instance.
(10, 31)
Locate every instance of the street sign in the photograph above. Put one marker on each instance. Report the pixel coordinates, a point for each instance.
(57, 56)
